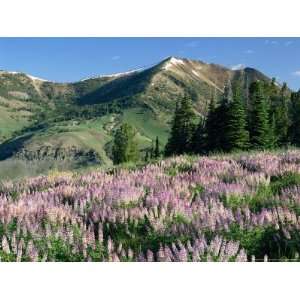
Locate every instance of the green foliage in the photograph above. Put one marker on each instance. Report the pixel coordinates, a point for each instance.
(286, 180)
(265, 240)
(281, 118)
(294, 129)
(125, 147)
(182, 131)
(211, 126)
(237, 136)
(263, 197)
(156, 150)
(259, 119)
(199, 143)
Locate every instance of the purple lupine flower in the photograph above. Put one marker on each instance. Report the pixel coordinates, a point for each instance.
(5, 245)
(150, 256)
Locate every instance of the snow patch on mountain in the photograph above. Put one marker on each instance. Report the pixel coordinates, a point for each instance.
(35, 78)
(29, 76)
(238, 67)
(113, 75)
(172, 62)
(195, 72)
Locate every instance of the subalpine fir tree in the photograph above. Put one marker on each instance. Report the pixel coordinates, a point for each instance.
(282, 117)
(236, 134)
(171, 144)
(294, 130)
(152, 150)
(146, 156)
(124, 145)
(273, 138)
(180, 140)
(156, 150)
(211, 127)
(259, 118)
(199, 145)
(221, 120)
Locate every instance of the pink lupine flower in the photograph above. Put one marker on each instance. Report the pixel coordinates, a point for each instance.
(110, 246)
(161, 254)
(150, 256)
(115, 258)
(182, 255)
(5, 245)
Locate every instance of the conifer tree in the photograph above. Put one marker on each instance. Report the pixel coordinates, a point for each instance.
(124, 145)
(147, 155)
(199, 143)
(152, 150)
(259, 127)
(273, 138)
(236, 134)
(180, 140)
(211, 127)
(282, 117)
(221, 120)
(294, 131)
(156, 150)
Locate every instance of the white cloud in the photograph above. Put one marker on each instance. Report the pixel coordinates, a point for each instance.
(116, 57)
(237, 67)
(271, 42)
(296, 73)
(288, 43)
(249, 51)
(192, 44)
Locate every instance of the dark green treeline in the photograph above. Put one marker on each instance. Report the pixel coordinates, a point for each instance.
(267, 116)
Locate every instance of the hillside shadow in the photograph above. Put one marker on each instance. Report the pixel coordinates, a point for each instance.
(123, 87)
(10, 147)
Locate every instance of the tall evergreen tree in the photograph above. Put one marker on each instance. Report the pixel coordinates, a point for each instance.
(146, 155)
(236, 134)
(152, 150)
(199, 143)
(124, 145)
(294, 130)
(273, 138)
(180, 140)
(211, 127)
(282, 117)
(259, 118)
(218, 135)
(156, 150)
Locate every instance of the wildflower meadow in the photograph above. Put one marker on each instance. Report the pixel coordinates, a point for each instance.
(225, 208)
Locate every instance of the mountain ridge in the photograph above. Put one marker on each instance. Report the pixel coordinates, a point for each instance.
(40, 119)
(124, 73)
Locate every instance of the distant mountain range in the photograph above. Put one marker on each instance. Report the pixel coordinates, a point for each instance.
(55, 122)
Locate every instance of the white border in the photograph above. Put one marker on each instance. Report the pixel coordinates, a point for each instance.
(114, 18)
(149, 281)
(149, 18)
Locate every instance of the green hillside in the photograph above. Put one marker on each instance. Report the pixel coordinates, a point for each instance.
(72, 124)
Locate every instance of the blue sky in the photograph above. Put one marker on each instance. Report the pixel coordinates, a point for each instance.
(71, 59)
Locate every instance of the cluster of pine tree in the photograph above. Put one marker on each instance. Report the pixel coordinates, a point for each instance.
(154, 151)
(265, 117)
(125, 146)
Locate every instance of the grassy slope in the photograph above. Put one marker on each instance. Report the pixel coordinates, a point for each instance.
(154, 93)
(11, 122)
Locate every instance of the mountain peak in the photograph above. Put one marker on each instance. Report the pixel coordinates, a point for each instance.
(34, 78)
(171, 61)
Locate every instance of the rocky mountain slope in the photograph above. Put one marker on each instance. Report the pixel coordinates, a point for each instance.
(42, 120)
